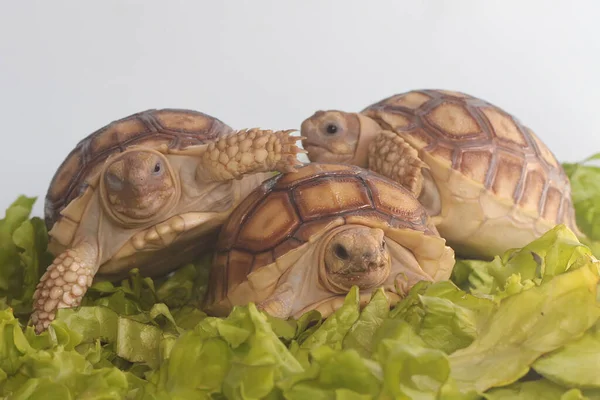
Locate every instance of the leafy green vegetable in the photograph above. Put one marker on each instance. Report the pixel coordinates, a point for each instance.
(574, 364)
(360, 335)
(334, 374)
(556, 252)
(23, 243)
(585, 193)
(534, 390)
(524, 325)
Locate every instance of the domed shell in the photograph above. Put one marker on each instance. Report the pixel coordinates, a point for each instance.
(175, 128)
(485, 144)
(286, 211)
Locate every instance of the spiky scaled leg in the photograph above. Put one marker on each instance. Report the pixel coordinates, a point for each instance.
(63, 285)
(249, 151)
(392, 157)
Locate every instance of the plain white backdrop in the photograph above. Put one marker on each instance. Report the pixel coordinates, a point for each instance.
(68, 68)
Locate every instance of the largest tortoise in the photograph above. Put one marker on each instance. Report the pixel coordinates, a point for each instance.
(489, 182)
(150, 191)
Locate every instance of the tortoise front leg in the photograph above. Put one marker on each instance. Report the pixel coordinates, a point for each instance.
(247, 152)
(64, 284)
(280, 303)
(392, 157)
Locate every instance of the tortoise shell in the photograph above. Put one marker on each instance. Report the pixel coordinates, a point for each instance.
(286, 211)
(175, 128)
(485, 144)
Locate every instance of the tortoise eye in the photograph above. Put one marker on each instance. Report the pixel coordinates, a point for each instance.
(341, 252)
(157, 168)
(383, 244)
(331, 129)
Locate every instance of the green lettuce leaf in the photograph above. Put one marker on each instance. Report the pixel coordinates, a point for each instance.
(51, 368)
(444, 316)
(23, 242)
(334, 374)
(527, 325)
(333, 330)
(410, 369)
(576, 364)
(585, 193)
(500, 329)
(360, 335)
(534, 390)
(554, 253)
(240, 355)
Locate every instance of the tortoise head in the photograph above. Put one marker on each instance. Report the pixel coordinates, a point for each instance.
(338, 137)
(138, 185)
(357, 256)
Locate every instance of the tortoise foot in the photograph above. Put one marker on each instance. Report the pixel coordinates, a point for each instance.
(62, 286)
(250, 151)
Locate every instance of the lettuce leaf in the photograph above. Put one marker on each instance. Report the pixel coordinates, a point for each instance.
(498, 329)
(360, 335)
(585, 193)
(554, 253)
(23, 243)
(334, 374)
(240, 355)
(526, 326)
(576, 363)
(534, 390)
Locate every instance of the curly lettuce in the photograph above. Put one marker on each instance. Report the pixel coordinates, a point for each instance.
(524, 325)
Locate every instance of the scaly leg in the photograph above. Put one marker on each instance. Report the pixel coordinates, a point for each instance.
(392, 157)
(64, 284)
(247, 152)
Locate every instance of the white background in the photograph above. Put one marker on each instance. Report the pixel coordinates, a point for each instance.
(68, 68)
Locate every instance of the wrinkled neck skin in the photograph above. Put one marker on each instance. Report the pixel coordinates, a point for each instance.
(369, 129)
(307, 276)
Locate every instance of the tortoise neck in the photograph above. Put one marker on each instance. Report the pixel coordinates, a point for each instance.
(369, 129)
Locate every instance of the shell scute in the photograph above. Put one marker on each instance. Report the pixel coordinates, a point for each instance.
(455, 121)
(507, 180)
(229, 232)
(475, 164)
(271, 222)
(394, 199)
(330, 195)
(504, 127)
(311, 171)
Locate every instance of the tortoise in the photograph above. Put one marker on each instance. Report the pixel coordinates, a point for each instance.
(149, 191)
(487, 180)
(301, 240)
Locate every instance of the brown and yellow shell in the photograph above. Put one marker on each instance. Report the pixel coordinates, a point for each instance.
(485, 144)
(287, 211)
(175, 128)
